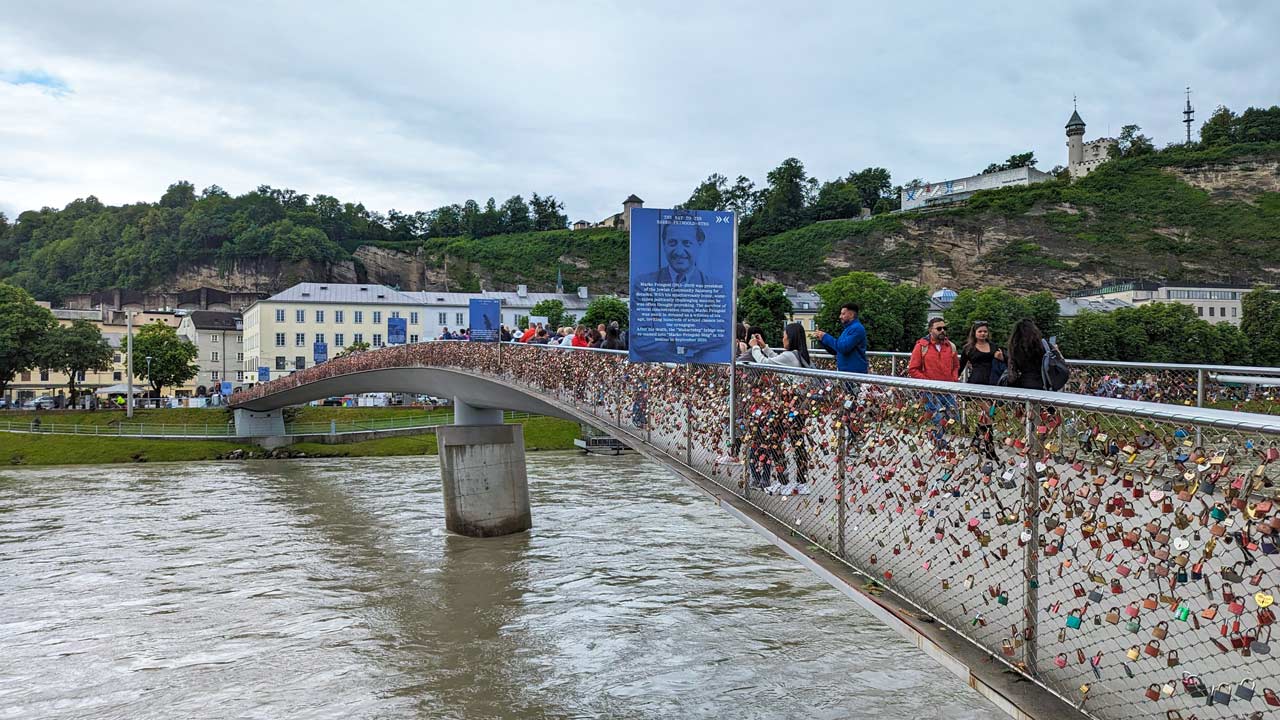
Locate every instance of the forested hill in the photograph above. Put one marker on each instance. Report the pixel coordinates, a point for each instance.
(1193, 215)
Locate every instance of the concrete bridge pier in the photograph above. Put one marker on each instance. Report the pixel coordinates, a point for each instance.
(264, 427)
(486, 491)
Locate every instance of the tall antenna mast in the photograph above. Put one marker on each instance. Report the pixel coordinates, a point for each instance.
(1187, 115)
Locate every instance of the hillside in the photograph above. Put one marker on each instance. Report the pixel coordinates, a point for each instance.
(1180, 214)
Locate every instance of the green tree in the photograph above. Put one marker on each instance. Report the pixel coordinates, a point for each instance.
(605, 310)
(548, 213)
(552, 310)
(767, 309)
(74, 349)
(181, 194)
(873, 184)
(709, 195)
(837, 199)
(781, 205)
(515, 215)
(1089, 336)
(355, 347)
(1232, 344)
(1026, 159)
(23, 325)
(1043, 308)
(1220, 128)
(893, 314)
(1260, 323)
(997, 306)
(172, 357)
(1133, 143)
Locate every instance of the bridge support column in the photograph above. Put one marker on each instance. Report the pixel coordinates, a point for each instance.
(266, 427)
(486, 491)
(466, 414)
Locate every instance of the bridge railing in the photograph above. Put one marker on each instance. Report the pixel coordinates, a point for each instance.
(1230, 387)
(1121, 554)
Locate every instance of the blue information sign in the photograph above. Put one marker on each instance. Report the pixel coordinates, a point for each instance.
(320, 352)
(682, 267)
(396, 329)
(486, 320)
(226, 387)
(264, 374)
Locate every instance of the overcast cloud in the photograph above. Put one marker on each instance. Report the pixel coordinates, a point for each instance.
(411, 106)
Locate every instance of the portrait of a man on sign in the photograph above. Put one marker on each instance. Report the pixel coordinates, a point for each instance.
(681, 280)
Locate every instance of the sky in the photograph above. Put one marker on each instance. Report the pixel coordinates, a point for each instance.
(416, 105)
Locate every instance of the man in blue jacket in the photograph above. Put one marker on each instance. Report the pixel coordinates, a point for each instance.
(850, 348)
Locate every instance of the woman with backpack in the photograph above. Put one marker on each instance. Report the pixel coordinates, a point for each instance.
(1026, 356)
(984, 360)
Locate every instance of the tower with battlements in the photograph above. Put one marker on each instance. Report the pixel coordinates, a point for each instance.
(1083, 157)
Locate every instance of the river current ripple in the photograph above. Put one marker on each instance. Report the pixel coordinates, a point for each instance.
(328, 589)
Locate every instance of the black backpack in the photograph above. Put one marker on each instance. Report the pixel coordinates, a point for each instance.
(1054, 372)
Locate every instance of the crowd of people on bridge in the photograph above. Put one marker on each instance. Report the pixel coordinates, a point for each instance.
(603, 336)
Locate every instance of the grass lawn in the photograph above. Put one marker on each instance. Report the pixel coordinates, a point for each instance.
(214, 417)
(22, 449)
(540, 433)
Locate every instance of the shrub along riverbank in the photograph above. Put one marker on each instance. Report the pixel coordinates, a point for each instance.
(16, 449)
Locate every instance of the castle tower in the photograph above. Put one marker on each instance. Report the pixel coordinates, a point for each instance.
(1075, 142)
(628, 205)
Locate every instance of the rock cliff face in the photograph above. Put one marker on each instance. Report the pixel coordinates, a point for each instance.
(262, 275)
(400, 269)
(1241, 180)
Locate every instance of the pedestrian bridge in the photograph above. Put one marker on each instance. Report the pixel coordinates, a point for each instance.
(1068, 555)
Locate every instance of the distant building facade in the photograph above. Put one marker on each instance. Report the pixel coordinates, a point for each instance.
(949, 192)
(1214, 303)
(617, 221)
(805, 305)
(219, 338)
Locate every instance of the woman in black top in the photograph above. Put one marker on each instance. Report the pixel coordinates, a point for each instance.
(978, 354)
(1026, 355)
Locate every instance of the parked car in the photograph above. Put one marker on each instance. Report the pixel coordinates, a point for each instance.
(40, 403)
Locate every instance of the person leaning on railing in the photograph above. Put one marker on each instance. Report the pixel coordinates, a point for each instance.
(1026, 356)
(794, 353)
(850, 348)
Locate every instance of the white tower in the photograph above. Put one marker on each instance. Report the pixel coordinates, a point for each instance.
(1075, 143)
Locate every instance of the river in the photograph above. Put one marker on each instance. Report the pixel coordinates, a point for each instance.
(328, 589)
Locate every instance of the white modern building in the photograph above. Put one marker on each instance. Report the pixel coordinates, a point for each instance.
(1214, 303)
(953, 191)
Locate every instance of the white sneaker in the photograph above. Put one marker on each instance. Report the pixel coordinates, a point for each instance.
(802, 488)
(773, 489)
(788, 490)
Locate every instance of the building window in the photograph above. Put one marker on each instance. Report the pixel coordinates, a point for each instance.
(239, 339)
(1200, 310)
(359, 338)
(280, 362)
(413, 318)
(299, 362)
(299, 339)
(80, 376)
(1234, 312)
(26, 377)
(117, 376)
(377, 339)
(240, 357)
(377, 317)
(213, 375)
(1210, 311)
(279, 339)
(319, 337)
(44, 376)
(319, 316)
(444, 318)
(457, 319)
(337, 340)
(239, 376)
(280, 315)
(300, 316)
(413, 338)
(213, 356)
(337, 316)
(215, 337)
(394, 314)
(115, 358)
(359, 319)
